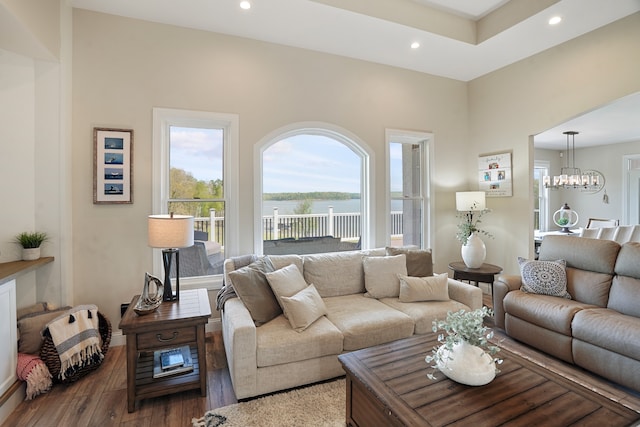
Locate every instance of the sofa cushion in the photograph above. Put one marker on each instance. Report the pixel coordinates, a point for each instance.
(278, 343)
(627, 262)
(280, 261)
(610, 330)
(365, 322)
(544, 277)
(419, 261)
(303, 308)
(432, 288)
(251, 286)
(424, 313)
(625, 295)
(286, 282)
(381, 275)
(588, 286)
(547, 311)
(333, 274)
(586, 254)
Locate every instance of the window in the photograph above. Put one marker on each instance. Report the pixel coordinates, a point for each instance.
(408, 162)
(314, 195)
(193, 154)
(540, 196)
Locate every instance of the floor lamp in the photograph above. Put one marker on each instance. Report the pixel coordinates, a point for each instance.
(170, 233)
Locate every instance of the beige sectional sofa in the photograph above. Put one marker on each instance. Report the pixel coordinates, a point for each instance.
(274, 356)
(599, 327)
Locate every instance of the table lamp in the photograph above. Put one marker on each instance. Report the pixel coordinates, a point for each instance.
(170, 233)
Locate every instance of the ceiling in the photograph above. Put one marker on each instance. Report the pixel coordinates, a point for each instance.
(459, 39)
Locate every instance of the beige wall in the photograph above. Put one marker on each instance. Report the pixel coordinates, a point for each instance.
(526, 98)
(123, 68)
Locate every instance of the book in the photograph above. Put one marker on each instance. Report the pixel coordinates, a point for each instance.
(178, 361)
(171, 359)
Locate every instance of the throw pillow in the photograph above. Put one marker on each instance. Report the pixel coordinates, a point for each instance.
(431, 288)
(252, 287)
(303, 308)
(30, 329)
(286, 282)
(381, 275)
(544, 277)
(419, 261)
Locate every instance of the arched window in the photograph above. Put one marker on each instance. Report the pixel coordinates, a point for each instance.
(314, 191)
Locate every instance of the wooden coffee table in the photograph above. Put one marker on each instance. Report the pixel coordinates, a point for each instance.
(387, 385)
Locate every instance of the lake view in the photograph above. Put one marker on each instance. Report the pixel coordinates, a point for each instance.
(319, 206)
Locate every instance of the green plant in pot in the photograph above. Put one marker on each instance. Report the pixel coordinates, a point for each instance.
(465, 354)
(31, 242)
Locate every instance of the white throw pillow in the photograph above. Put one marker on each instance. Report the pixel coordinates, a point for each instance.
(303, 308)
(431, 288)
(381, 275)
(286, 282)
(544, 277)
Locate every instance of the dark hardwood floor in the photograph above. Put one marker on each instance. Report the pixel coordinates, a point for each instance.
(100, 399)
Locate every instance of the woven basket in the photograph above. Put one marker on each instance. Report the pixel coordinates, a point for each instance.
(49, 354)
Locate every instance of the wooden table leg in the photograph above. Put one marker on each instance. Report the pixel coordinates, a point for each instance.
(202, 359)
(132, 361)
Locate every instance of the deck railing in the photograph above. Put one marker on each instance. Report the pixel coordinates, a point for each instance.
(347, 226)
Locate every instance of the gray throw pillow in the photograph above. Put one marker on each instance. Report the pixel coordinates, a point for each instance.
(251, 286)
(419, 261)
(544, 277)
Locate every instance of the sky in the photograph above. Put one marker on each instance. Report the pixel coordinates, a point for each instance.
(299, 163)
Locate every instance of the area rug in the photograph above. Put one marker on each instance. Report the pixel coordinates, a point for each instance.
(321, 405)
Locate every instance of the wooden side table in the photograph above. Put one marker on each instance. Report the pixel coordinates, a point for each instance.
(485, 273)
(173, 324)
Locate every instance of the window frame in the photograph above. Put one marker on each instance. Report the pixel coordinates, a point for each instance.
(426, 139)
(543, 196)
(163, 119)
(358, 146)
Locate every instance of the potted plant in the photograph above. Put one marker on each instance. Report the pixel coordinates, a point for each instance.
(465, 354)
(473, 249)
(30, 242)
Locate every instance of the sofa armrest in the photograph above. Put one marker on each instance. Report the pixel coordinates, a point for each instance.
(240, 345)
(503, 284)
(465, 293)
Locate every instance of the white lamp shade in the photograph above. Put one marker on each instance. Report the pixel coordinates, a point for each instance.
(465, 201)
(167, 231)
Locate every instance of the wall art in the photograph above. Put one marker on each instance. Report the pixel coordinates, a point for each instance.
(112, 166)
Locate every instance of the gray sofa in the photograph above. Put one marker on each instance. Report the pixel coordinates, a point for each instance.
(273, 356)
(599, 327)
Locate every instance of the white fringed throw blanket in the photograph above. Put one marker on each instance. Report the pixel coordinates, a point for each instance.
(76, 337)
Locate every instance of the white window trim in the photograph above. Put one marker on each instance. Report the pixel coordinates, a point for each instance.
(544, 193)
(367, 190)
(163, 118)
(427, 140)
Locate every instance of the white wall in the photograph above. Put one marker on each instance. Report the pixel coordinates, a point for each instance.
(535, 94)
(123, 68)
(608, 161)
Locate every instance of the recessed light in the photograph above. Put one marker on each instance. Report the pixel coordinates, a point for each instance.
(555, 20)
(246, 5)
(415, 45)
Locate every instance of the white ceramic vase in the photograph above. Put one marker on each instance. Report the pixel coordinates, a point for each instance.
(467, 364)
(474, 252)
(30, 254)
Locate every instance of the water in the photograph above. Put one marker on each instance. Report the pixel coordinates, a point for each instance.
(320, 206)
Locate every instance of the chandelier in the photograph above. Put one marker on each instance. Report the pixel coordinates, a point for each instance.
(570, 175)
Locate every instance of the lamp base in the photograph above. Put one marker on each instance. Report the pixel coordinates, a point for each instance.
(168, 294)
